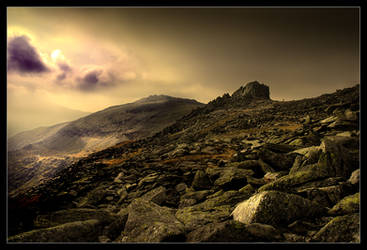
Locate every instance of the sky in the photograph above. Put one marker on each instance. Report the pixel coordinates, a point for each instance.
(63, 63)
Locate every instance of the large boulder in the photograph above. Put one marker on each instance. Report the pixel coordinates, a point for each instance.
(253, 90)
(344, 152)
(234, 231)
(274, 208)
(215, 208)
(71, 215)
(148, 222)
(348, 205)
(78, 231)
(340, 229)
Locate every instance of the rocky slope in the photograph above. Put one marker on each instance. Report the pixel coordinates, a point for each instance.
(36, 155)
(243, 168)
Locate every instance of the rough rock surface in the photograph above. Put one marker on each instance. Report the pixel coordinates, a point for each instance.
(274, 208)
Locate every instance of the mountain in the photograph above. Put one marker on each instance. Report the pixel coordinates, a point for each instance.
(243, 168)
(37, 154)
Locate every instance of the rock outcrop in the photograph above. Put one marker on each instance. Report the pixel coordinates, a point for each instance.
(252, 90)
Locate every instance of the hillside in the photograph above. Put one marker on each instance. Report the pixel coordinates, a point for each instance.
(37, 154)
(243, 168)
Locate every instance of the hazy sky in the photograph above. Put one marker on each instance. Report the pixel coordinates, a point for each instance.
(86, 59)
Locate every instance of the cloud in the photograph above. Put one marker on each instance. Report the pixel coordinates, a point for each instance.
(65, 68)
(90, 80)
(23, 57)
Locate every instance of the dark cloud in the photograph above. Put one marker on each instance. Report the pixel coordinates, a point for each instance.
(90, 80)
(23, 57)
(65, 68)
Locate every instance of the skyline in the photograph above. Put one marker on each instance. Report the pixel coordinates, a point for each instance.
(87, 59)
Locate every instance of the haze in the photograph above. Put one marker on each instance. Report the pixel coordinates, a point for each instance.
(66, 62)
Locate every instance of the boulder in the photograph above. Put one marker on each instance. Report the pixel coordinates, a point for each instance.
(201, 181)
(233, 178)
(340, 229)
(354, 177)
(344, 153)
(277, 160)
(157, 195)
(78, 231)
(273, 208)
(228, 231)
(70, 215)
(348, 205)
(215, 208)
(233, 231)
(148, 222)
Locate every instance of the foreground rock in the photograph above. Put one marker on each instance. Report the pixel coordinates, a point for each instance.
(274, 208)
(148, 222)
(78, 231)
(340, 229)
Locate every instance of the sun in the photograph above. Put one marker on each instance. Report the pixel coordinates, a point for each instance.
(56, 54)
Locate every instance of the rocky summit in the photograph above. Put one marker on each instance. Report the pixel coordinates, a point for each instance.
(243, 168)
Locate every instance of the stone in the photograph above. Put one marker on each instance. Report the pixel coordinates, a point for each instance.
(201, 181)
(344, 153)
(354, 177)
(157, 195)
(348, 205)
(228, 231)
(340, 229)
(264, 232)
(215, 208)
(77, 231)
(181, 187)
(276, 160)
(274, 208)
(70, 215)
(148, 222)
(232, 178)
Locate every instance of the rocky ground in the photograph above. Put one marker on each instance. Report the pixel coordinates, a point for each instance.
(243, 168)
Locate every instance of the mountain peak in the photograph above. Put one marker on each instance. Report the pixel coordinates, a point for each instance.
(253, 90)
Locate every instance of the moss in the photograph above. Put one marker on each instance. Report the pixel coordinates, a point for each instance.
(348, 205)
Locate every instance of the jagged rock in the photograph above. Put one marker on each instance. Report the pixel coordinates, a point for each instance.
(252, 90)
(264, 232)
(348, 205)
(322, 169)
(78, 231)
(181, 187)
(157, 195)
(340, 229)
(215, 208)
(114, 229)
(269, 176)
(201, 181)
(354, 177)
(233, 178)
(94, 197)
(70, 215)
(344, 154)
(325, 196)
(272, 207)
(228, 231)
(276, 160)
(148, 222)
